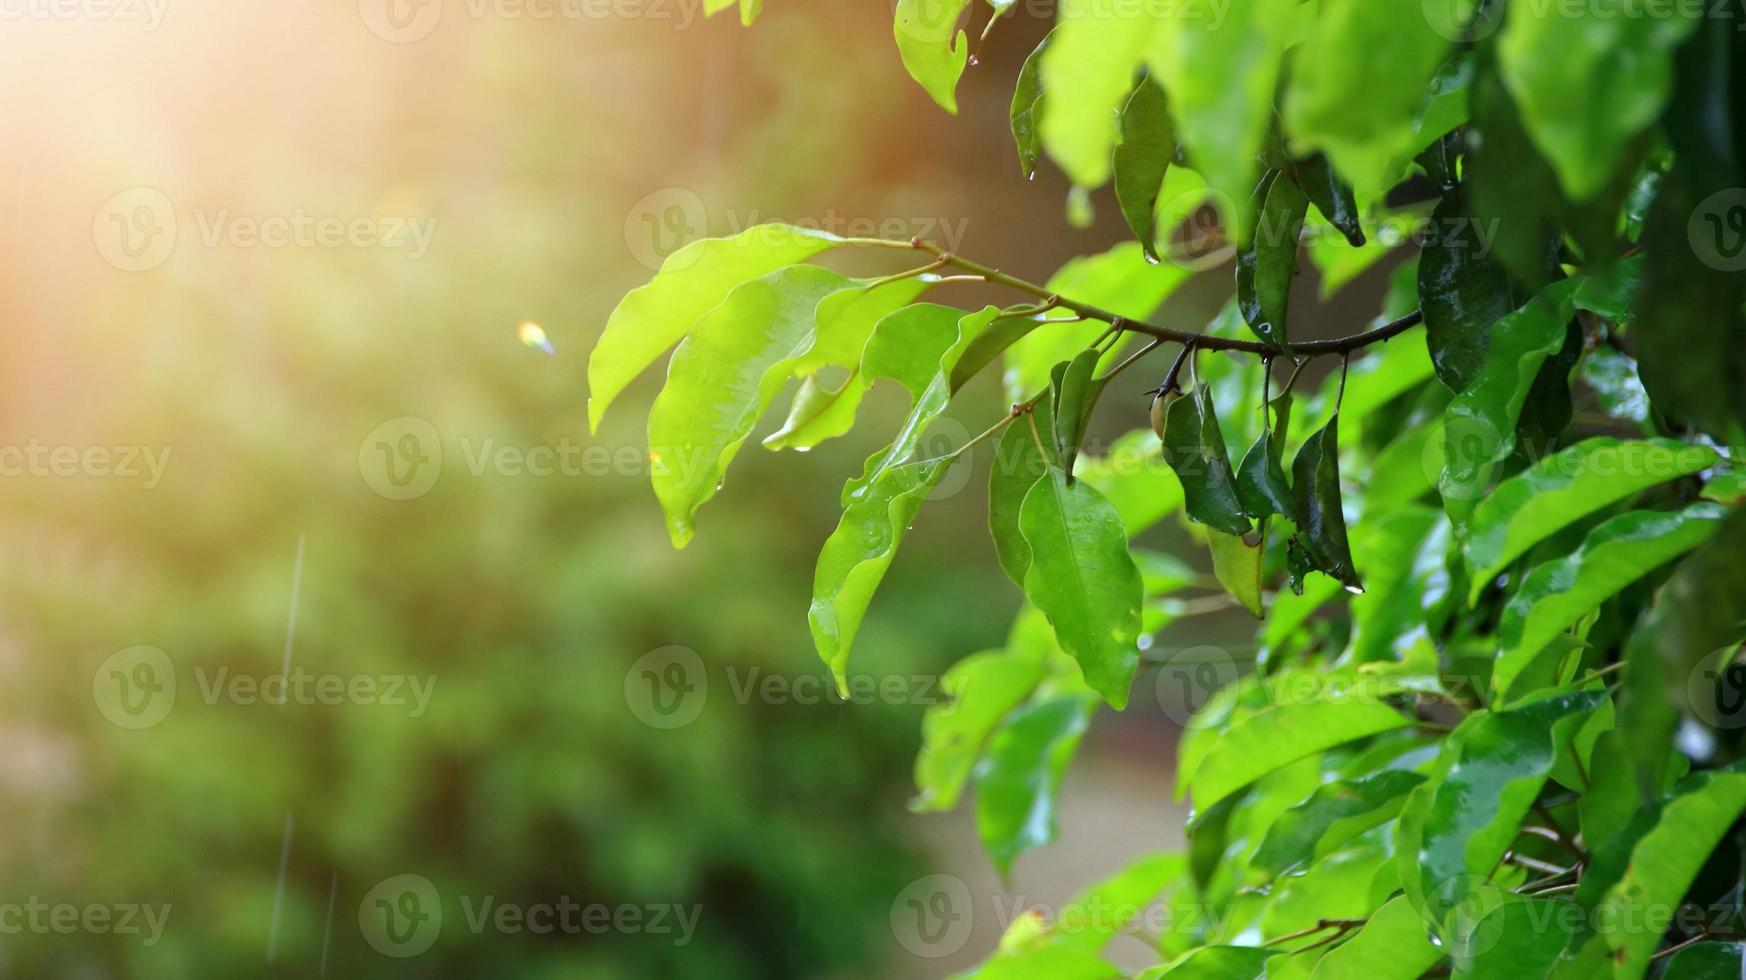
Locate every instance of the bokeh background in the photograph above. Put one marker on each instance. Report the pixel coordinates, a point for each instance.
(549, 161)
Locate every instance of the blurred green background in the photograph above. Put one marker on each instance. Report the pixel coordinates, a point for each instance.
(550, 154)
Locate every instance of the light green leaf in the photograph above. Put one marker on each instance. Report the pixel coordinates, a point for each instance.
(1084, 580)
(978, 692)
(1024, 455)
(749, 9)
(1555, 595)
(1267, 257)
(1666, 861)
(1402, 555)
(1214, 963)
(1220, 66)
(1588, 78)
(1018, 781)
(1333, 713)
(1195, 448)
(1047, 961)
(1391, 946)
(1087, 71)
(1237, 566)
(934, 50)
(1026, 112)
(1356, 83)
(1148, 144)
(1076, 391)
(721, 379)
(1332, 817)
(1564, 488)
(1480, 424)
(1120, 281)
(657, 315)
(1335, 887)
(856, 555)
(1519, 937)
(1457, 826)
(1135, 479)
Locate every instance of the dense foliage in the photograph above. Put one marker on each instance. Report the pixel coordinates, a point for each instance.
(1492, 730)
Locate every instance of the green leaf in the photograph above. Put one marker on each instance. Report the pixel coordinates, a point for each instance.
(1214, 963)
(1463, 291)
(1084, 580)
(1555, 595)
(978, 692)
(1088, 70)
(1355, 85)
(1148, 144)
(1480, 424)
(657, 315)
(1520, 937)
(1392, 945)
(856, 555)
(1709, 961)
(1335, 887)
(1701, 609)
(934, 50)
(1267, 257)
(1315, 476)
(1333, 714)
(1018, 781)
(1588, 79)
(1237, 565)
(1564, 488)
(1024, 455)
(1076, 391)
(1332, 817)
(1221, 72)
(1261, 483)
(1053, 962)
(1120, 281)
(1195, 449)
(1026, 112)
(749, 9)
(1666, 861)
(1110, 907)
(1456, 827)
(1331, 196)
(721, 379)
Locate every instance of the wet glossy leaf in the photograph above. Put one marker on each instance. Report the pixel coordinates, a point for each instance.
(1261, 483)
(1332, 817)
(934, 50)
(1392, 945)
(692, 281)
(1315, 477)
(1463, 291)
(1588, 80)
(1148, 144)
(1195, 448)
(1084, 580)
(1667, 859)
(1456, 826)
(1026, 112)
(1267, 257)
(1564, 488)
(979, 691)
(1555, 595)
(1018, 781)
(1025, 454)
(721, 379)
(1356, 83)
(1332, 196)
(1709, 961)
(856, 555)
(1288, 731)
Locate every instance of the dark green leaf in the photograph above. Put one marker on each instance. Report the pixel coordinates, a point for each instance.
(1142, 159)
(1084, 580)
(1332, 817)
(1709, 961)
(1331, 196)
(1261, 482)
(1027, 100)
(1267, 257)
(1463, 291)
(1315, 475)
(1195, 449)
